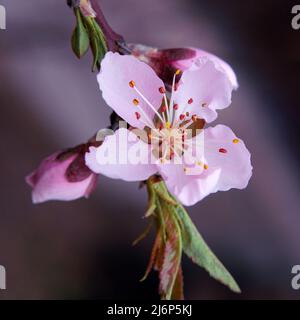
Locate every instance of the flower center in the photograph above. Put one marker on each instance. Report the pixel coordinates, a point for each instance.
(170, 133)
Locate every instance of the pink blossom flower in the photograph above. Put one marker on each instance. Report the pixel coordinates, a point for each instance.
(166, 61)
(62, 176)
(138, 95)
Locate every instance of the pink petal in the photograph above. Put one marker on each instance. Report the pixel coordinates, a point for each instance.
(220, 64)
(121, 156)
(224, 151)
(166, 61)
(116, 73)
(189, 189)
(227, 163)
(49, 181)
(207, 87)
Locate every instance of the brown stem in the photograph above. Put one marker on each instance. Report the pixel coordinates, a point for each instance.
(111, 36)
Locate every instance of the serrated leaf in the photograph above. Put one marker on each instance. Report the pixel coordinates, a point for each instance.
(80, 38)
(171, 255)
(195, 247)
(177, 293)
(154, 255)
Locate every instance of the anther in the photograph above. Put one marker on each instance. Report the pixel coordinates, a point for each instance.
(132, 84)
(235, 140)
(168, 125)
(137, 115)
(162, 90)
(222, 150)
(190, 101)
(204, 104)
(135, 102)
(181, 117)
(205, 166)
(178, 72)
(175, 107)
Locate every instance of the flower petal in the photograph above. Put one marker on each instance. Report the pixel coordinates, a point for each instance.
(227, 165)
(219, 63)
(50, 181)
(165, 62)
(224, 151)
(188, 188)
(122, 156)
(116, 74)
(204, 90)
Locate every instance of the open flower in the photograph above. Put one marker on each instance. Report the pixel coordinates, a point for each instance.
(166, 61)
(62, 176)
(138, 95)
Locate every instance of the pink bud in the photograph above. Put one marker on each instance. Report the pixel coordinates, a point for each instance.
(166, 62)
(62, 176)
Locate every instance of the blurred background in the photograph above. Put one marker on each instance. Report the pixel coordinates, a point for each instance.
(50, 100)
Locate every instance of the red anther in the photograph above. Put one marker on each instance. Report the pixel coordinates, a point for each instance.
(137, 115)
(162, 90)
(187, 114)
(175, 107)
(222, 150)
(190, 101)
(181, 117)
(163, 108)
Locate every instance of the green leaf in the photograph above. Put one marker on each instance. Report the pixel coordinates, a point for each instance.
(171, 255)
(195, 247)
(97, 41)
(80, 38)
(163, 193)
(151, 201)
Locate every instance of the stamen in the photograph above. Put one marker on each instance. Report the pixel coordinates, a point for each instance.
(222, 150)
(190, 101)
(166, 104)
(162, 90)
(187, 114)
(175, 107)
(205, 166)
(132, 84)
(181, 117)
(136, 102)
(178, 71)
(149, 104)
(137, 115)
(235, 140)
(204, 104)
